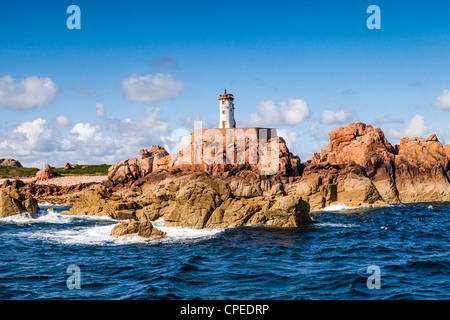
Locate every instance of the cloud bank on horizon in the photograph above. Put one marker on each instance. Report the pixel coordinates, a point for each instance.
(98, 95)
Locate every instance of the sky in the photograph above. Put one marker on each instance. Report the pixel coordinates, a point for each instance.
(140, 73)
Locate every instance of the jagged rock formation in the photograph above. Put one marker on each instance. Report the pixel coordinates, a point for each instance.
(247, 184)
(45, 174)
(324, 184)
(359, 167)
(414, 171)
(193, 201)
(13, 202)
(100, 201)
(10, 163)
(264, 157)
(48, 193)
(133, 169)
(202, 201)
(158, 162)
(422, 170)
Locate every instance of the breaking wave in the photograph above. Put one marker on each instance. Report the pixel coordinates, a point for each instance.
(48, 216)
(337, 207)
(101, 234)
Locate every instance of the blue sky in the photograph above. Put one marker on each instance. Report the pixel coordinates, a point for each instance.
(139, 71)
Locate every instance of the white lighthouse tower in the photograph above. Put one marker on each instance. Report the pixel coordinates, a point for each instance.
(226, 110)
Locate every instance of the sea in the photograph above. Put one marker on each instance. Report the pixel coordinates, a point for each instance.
(390, 253)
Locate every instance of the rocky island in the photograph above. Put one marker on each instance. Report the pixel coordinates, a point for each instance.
(359, 167)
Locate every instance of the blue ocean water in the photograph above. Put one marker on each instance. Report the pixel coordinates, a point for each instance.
(327, 260)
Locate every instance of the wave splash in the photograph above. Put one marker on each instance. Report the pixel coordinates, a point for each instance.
(49, 216)
(337, 207)
(100, 234)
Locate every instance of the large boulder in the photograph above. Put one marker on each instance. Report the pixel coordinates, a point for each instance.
(100, 201)
(187, 201)
(358, 143)
(124, 171)
(202, 201)
(13, 202)
(247, 184)
(288, 211)
(143, 229)
(133, 169)
(324, 184)
(45, 174)
(10, 163)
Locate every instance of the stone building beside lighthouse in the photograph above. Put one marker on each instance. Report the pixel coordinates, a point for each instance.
(223, 150)
(226, 110)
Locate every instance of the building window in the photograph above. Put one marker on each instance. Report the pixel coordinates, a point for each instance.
(224, 111)
(223, 124)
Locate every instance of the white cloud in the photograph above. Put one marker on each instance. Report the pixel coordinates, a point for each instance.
(149, 88)
(339, 117)
(443, 101)
(63, 121)
(417, 127)
(27, 139)
(38, 135)
(29, 93)
(38, 142)
(291, 138)
(87, 142)
(319, 135)
(291, 113)
(100, 110)
(144, 132)
(86, 132)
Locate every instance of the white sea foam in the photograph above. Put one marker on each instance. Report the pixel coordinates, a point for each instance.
(96, 235)
(177, 234)
(47, 204)
(336, 225)
(92, 218)
(337, 207)
(101, 235)
(43, 216)
(46, 216)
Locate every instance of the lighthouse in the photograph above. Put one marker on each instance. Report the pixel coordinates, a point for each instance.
(226, 110)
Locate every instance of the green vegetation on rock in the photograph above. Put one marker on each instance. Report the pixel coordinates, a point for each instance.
(83, 170)
(13, 172)
(76, 170)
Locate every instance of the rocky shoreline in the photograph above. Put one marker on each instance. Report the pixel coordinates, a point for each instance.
(359, 167)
